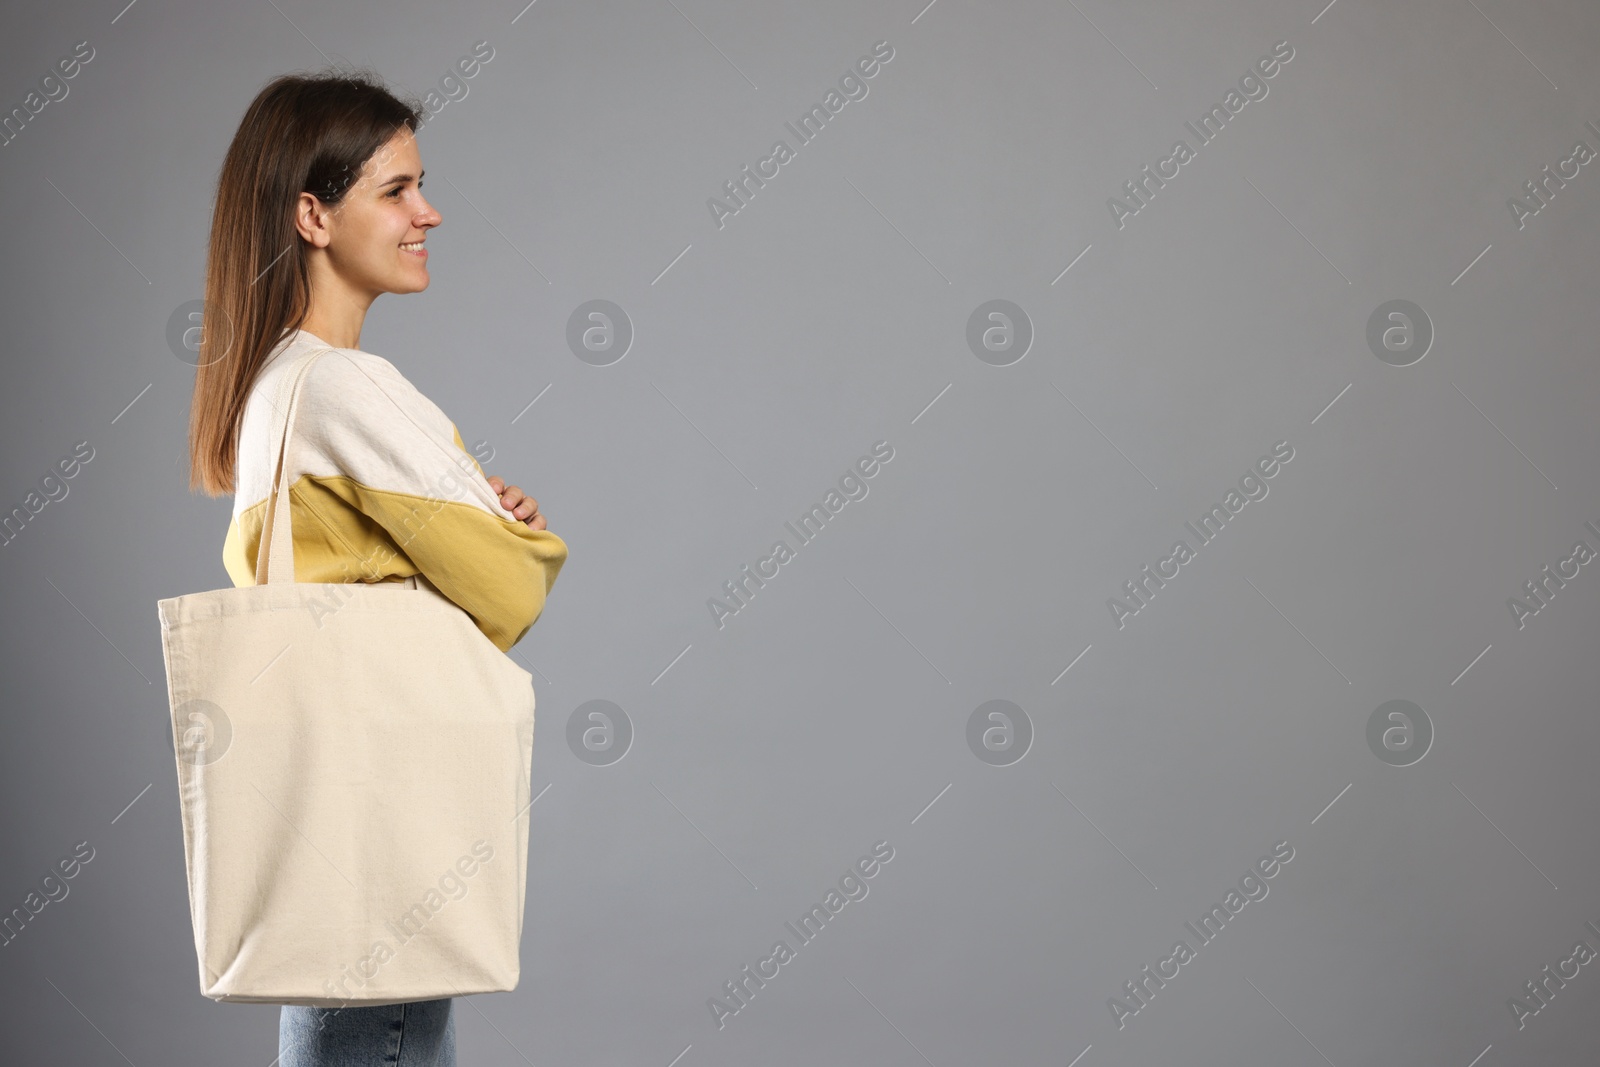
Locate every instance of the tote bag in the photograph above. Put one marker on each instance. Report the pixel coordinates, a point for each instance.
(353, 769)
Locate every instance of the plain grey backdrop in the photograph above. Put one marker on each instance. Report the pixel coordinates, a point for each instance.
(1064, 784)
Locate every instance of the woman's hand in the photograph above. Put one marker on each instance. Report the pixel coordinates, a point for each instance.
(521, 506)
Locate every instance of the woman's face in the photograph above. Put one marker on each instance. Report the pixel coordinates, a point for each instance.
(373, 237)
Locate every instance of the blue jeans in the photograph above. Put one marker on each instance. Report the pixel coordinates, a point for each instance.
(419, 1034)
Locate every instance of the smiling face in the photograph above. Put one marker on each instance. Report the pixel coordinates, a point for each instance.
(371, 241)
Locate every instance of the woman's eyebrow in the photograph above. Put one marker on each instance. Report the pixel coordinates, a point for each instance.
(403, 178)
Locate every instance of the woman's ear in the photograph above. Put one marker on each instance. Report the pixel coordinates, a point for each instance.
(313, 220)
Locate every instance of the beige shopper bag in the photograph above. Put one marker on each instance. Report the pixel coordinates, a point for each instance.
(353, 765)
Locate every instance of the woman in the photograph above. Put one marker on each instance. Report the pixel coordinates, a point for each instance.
(319, 209)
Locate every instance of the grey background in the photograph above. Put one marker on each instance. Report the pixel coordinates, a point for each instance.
(830, 713)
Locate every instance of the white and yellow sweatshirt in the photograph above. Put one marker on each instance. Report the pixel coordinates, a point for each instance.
(381, 487)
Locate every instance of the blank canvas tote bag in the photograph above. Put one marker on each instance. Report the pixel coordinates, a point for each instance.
(353, 765)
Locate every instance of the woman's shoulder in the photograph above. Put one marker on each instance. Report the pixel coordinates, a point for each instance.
(361, 389)
(355, 409)
(350, 401)
(350, 380)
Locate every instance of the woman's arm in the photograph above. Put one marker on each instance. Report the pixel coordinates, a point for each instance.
(373, 440)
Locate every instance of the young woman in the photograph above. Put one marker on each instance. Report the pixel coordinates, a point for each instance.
(319, 209)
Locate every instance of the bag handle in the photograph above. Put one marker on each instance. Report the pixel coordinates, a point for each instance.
(278, 532)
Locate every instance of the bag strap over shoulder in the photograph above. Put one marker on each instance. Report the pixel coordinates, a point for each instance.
(275, 554)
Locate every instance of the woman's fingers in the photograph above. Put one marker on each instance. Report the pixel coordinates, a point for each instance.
(524, 507)
(513, 499)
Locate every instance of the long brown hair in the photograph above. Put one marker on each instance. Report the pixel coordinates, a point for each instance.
(301, 134)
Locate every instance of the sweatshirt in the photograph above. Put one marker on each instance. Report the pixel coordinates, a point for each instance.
(381, 487)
